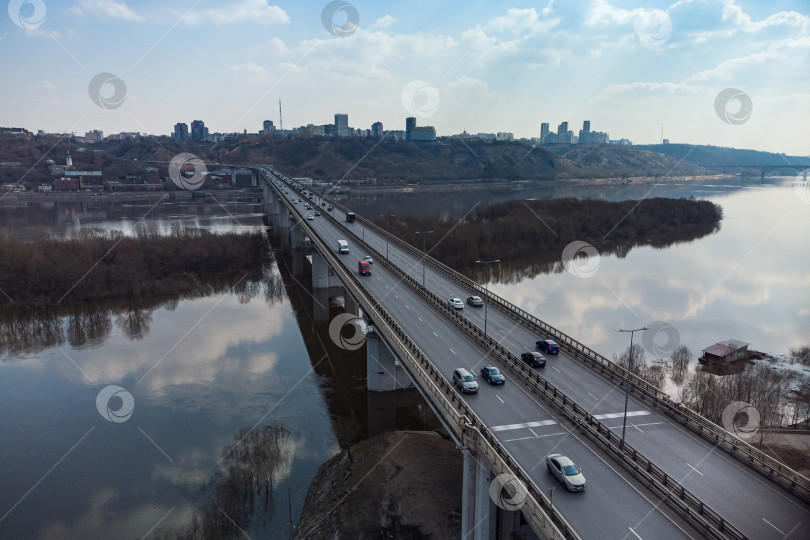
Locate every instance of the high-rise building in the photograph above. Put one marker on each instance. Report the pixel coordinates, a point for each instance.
(410, 125)
(267, 127)
(342, 125)
(94, 136)
(543, 131)
(423, 133)
(198, 130)
(588, 136)
(377, 130)
(180, 132)
(586, 126)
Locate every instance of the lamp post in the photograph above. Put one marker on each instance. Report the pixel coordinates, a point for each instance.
(629, 367)
(387, 230)
(486, 293)
(424, 255)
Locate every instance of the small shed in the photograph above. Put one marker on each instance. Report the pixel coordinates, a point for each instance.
(725, 352)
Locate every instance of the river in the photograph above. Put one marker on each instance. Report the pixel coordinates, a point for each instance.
(198, 369)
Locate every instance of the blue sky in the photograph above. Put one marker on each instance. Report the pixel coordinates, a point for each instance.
(628, 67)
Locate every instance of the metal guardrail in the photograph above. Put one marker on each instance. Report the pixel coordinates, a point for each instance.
(704, 518)
(466, 425)
(765, 464)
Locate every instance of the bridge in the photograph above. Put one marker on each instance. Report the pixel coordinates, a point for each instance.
(677, 475)
(762, 168)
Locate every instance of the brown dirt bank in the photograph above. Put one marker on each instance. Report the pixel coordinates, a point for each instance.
(404, 485)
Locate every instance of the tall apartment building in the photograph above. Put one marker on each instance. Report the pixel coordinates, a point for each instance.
(342, 125)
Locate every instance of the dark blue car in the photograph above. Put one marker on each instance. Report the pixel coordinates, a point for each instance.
(548, 346)
(492, 375)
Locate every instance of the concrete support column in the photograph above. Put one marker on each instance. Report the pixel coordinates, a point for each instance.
(478, 512)
(383, 370)
(320, 271)
(382, 412)
(350, 304)
(320, 302)
(298, 263)
(296, 236)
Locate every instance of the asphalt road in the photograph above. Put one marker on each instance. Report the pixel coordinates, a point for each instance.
(612, 506)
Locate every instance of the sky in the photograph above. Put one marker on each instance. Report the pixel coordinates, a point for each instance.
(722, 72)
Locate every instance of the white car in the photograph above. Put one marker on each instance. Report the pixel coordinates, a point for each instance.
(456, 303)
(310, 217)
(566, 472)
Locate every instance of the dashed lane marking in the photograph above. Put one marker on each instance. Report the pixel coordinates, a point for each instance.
(499, 398)
(774, 526)
(620, 414)
(694, 469)
(540, 423)
(452, 351)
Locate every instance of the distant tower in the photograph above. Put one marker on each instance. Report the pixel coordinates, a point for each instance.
(68, 161)
(543, 130)
(410, 125)
(280, 121)
(586, 126)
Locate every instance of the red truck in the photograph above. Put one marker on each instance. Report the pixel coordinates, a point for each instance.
(364, 268)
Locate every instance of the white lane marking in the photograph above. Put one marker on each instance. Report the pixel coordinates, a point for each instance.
(538, 437)
(501, 331)
(774, 526)
(435, 334)
(555, 369)
(452, 351)
(620, 414)
(593, 396)
(634, 532)
(694, 469)
(481, 316)
(638, 425)
(499, 398)
(420, 319)
(524, 425)
(533, 433)
(406, 305)
(395, 296)
(638, 428)
(528, 349)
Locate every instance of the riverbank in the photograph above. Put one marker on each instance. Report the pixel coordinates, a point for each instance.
(398, 485)
(23, 199)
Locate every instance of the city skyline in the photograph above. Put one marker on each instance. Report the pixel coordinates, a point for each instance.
(630, 70)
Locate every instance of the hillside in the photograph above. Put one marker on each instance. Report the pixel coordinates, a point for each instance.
(722, 157)
(387, 162)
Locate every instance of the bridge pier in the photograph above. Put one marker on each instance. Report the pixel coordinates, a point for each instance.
(384, 372)
(478, 512)
(296, 236)
(350, 304)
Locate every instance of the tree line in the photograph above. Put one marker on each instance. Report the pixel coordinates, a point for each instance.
(92, 265)
(541, 229)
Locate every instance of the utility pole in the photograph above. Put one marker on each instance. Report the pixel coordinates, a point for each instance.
(629, 367)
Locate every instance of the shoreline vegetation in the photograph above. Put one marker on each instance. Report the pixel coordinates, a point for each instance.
(534, 233)
(93, 265)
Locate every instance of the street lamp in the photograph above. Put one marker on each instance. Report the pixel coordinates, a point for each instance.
(486, 293)
(387, 230)
(629, 367)
(424, 255)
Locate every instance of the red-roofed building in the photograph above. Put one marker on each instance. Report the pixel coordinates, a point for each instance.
(725, 352)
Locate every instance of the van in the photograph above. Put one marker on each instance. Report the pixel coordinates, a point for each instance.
(343, 246)
(364, 268)
(350, 217)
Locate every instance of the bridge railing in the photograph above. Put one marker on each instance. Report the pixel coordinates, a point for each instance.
(466, 425)
(767, 465)
(703, 517)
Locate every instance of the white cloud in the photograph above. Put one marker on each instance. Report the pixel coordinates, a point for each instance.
(110, 8)
(245, 11)
(250, 68)
(275, 46)
(383, 22)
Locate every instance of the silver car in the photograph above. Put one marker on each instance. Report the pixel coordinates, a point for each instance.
(465, 381)
(566, 472)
